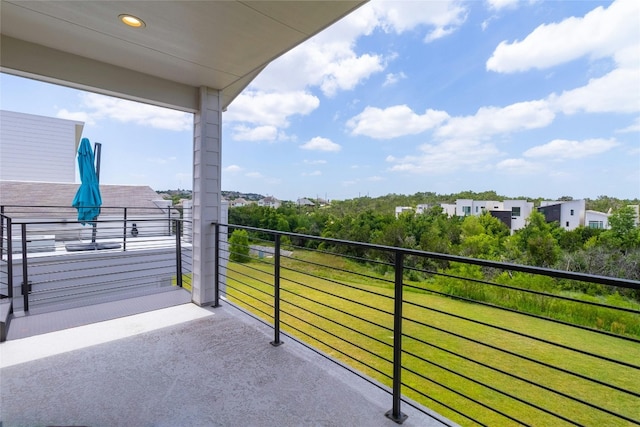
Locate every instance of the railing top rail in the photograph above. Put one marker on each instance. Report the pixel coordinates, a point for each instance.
(102, 207)
(590, 278)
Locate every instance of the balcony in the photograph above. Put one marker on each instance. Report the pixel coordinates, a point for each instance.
(425, 338)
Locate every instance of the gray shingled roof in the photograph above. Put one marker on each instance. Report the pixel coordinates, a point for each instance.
(51, 195)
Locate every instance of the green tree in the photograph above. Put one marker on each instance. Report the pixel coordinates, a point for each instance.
(623, 232)
(482, 236)
(537, 242)
(239, 246)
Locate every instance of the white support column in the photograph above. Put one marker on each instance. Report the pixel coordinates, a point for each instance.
(207, 159)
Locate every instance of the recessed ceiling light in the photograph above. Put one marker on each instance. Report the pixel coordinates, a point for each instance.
(132, 21)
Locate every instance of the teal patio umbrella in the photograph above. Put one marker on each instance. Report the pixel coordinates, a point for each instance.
(87, 200)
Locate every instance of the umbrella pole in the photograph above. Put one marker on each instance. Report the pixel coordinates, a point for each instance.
(96, 158)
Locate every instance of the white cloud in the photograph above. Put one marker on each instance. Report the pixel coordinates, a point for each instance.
(392, 78)
(331, 65)
(80, 116)
(616, 92)
(440, 17)
(393, 122)
(260, 133)
(449, 156)
(560, 149)
(270, 109)
(502, 4)
(600, 33)
(634, 127)
(314, 173)
(233, 168)
(315, 162)
(320, 144)
(490, 121)
(125, 111)
(375, 178)
(518, 166)
(254, 175)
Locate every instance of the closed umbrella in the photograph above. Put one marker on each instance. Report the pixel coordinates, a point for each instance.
(87, 199)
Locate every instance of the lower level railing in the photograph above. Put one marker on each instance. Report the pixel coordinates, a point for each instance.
(480, 342)
(41, 272)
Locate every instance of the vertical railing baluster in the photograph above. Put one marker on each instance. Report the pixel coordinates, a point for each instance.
(9, 258)
(395, 414)
(124, 233)
(178, 255)
(276, 294)
(2, 231)
(25, 276)
(216, 284)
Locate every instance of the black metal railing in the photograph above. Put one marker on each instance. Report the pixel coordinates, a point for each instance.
(49, 265)
(480, 342)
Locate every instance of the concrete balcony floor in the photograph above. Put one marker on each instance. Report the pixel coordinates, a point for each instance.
(182, 366)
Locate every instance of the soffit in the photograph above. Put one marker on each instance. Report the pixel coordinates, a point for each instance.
(217, 44)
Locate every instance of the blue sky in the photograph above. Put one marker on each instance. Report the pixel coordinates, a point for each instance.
(527, 98)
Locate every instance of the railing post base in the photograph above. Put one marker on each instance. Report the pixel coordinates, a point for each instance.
(399, 419)
(276, 343)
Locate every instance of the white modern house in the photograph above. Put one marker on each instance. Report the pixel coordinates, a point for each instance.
(569, 214)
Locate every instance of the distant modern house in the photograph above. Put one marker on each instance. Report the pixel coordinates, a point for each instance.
(270, 202)
(422, 208)
(514, 213)
(402, 209)
(568, 214)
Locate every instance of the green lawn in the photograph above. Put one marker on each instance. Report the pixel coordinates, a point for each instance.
(320, 325)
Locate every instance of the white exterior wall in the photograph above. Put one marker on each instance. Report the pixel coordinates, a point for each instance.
(448, 208)
(422, 208)
(37, 148)
(401, 209)
(479, 206)
(518, 222)
(600, 218)
(461, 204)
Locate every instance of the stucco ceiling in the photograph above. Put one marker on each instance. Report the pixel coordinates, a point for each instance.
(218, 44)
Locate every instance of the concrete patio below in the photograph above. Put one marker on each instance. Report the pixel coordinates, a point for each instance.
(183, 366)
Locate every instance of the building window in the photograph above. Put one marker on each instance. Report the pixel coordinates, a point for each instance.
(596, 224)
(567, 223)
(476, 209)
(466, 210)
(571, 212)
(515, 211)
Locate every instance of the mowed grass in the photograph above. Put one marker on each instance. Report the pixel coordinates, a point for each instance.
(461, 369)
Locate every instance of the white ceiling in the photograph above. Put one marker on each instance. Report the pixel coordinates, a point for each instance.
(217, 44)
